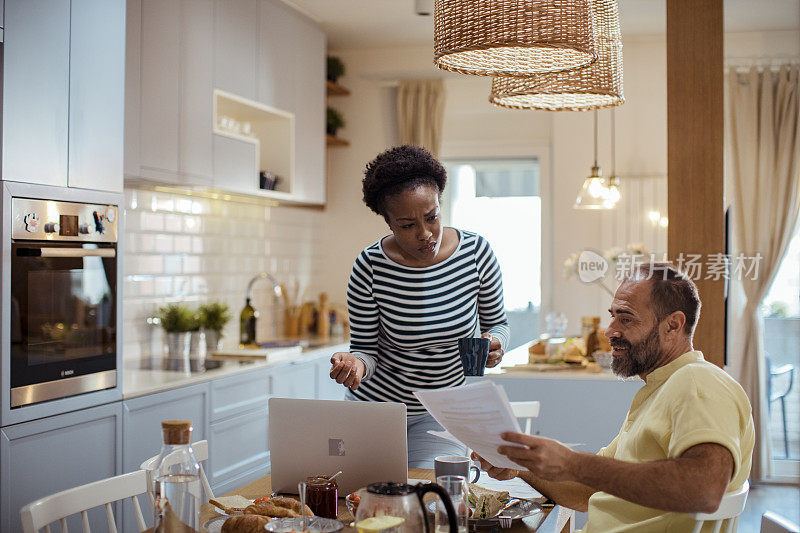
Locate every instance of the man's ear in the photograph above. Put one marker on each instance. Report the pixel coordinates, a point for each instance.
(675, 322)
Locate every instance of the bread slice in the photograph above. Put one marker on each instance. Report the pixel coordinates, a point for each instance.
(231, 504)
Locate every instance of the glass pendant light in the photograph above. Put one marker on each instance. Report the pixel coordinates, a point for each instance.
(594, 193)
(614, 193)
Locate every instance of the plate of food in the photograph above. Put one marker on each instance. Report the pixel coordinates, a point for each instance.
(486, 506)
(241, 515)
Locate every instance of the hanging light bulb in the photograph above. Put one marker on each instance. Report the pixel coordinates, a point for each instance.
(594, 193)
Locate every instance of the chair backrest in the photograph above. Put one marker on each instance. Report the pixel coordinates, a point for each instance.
(773, 523)
(527, 411)
(200, 449)
(42, 512)
(730, 508)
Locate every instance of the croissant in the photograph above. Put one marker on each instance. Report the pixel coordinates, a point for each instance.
(248, 523)
(277, 507)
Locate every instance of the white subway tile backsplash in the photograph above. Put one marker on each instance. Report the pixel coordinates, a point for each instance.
(180, 248)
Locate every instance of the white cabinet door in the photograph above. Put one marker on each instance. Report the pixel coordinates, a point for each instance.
(291, 76)
(235, 165)
(309, 89)
(160, 88)
(35, 91)
(295, 380)
(195, 143)
(235, 30)
(96, 94)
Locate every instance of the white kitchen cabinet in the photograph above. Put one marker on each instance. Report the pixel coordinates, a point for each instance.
(235, 37)
(52, 454)
(35, 91)
(235, 164)
(291, 76)
(295, 380)
(96, 94)
(160, 89)
(195, 157)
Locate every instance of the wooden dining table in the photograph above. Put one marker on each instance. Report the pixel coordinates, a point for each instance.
(556, 519)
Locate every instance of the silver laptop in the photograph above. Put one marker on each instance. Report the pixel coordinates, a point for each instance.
(365, 440)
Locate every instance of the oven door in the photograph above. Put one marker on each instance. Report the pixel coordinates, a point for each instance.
(63, 319)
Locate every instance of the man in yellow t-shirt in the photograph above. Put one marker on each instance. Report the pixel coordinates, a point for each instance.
(688, 436)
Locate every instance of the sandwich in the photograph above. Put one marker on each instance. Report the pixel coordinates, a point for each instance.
(487, 502)
(231, 504)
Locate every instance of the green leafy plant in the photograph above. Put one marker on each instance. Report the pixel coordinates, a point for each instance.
(778, 310)
(334, 121)
(335, 68)
(176, 318)
(214, 316)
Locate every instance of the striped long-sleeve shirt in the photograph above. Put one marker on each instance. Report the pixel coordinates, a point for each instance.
(405, 322)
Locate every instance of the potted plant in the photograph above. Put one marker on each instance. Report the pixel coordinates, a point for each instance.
(334, 121)
(177, 321)
(213, 317)
(335, 68)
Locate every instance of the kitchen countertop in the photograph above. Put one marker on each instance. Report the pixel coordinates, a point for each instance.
(519, 356)
(137, 382)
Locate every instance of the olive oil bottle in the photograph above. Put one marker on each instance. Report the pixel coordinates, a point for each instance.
(247, 325)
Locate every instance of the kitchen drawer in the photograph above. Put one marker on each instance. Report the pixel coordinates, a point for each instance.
(294, 380)
(239, 393)
(238, 446)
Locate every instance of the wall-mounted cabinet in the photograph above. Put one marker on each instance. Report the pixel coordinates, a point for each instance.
(269, 130)
(259, 57)
(63, 72)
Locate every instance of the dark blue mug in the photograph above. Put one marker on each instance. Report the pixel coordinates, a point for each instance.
(473, 352)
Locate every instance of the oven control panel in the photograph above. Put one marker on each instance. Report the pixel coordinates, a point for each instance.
(34, 219)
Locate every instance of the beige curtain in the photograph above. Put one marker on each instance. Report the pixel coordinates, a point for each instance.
(764, 159)
(420, 112)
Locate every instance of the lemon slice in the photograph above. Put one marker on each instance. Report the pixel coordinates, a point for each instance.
(378, 523)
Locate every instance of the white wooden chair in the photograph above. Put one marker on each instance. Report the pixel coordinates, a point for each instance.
(730, 508)
(200, 449)
(526, 411)
(773, 523)
(57, 507)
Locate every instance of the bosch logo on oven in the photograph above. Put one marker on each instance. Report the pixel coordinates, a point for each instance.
(65, 373)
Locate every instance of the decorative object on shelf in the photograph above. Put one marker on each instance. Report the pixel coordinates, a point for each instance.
(334, 69)
(213, 317)
(177, 321)
(334, 89)
(334, 120)
(267, 180)
(513, 38)
(594, 193)
(592, 87)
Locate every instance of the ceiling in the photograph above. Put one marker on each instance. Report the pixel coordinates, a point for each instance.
(390, 23)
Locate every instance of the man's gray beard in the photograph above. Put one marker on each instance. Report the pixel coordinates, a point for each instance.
(641, 357)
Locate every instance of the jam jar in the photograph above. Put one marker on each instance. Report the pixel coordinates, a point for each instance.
(322, 496)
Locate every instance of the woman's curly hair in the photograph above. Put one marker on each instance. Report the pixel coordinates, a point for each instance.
(398, 169)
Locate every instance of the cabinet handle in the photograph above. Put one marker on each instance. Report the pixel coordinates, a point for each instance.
(269, 384)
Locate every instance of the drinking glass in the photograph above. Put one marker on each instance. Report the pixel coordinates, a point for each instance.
(456, 488)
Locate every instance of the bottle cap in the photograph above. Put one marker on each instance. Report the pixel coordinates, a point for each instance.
(176, 431)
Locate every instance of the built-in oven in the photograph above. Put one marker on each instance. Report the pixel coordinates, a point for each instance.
(64, 324)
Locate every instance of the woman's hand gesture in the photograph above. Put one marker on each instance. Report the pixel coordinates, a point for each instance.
(495, 351)
(347, 369)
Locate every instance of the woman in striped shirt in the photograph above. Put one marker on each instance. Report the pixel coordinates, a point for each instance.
(413, 294)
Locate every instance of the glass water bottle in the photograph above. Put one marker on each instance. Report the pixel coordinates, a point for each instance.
(177, 488)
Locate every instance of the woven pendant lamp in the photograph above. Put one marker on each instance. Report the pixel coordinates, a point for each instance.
(593, 87)
(512, 37)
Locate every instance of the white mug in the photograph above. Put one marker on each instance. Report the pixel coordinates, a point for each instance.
(455, 465)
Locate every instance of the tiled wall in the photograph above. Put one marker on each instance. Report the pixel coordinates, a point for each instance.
(192, 249)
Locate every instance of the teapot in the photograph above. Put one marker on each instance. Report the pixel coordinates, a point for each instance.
(390, 507)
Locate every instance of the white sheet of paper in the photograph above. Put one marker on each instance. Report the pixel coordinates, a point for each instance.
(476, 415)
(516, 487)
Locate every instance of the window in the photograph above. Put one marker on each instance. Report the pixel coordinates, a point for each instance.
(499, 199)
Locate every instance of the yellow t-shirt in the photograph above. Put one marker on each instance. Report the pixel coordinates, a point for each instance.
(684, 403)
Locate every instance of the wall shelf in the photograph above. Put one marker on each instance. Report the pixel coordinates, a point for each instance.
(272, 136)
(334, 89)
(330, 140)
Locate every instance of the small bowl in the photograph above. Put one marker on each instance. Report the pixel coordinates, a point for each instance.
(351, 503)
(315, 524)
